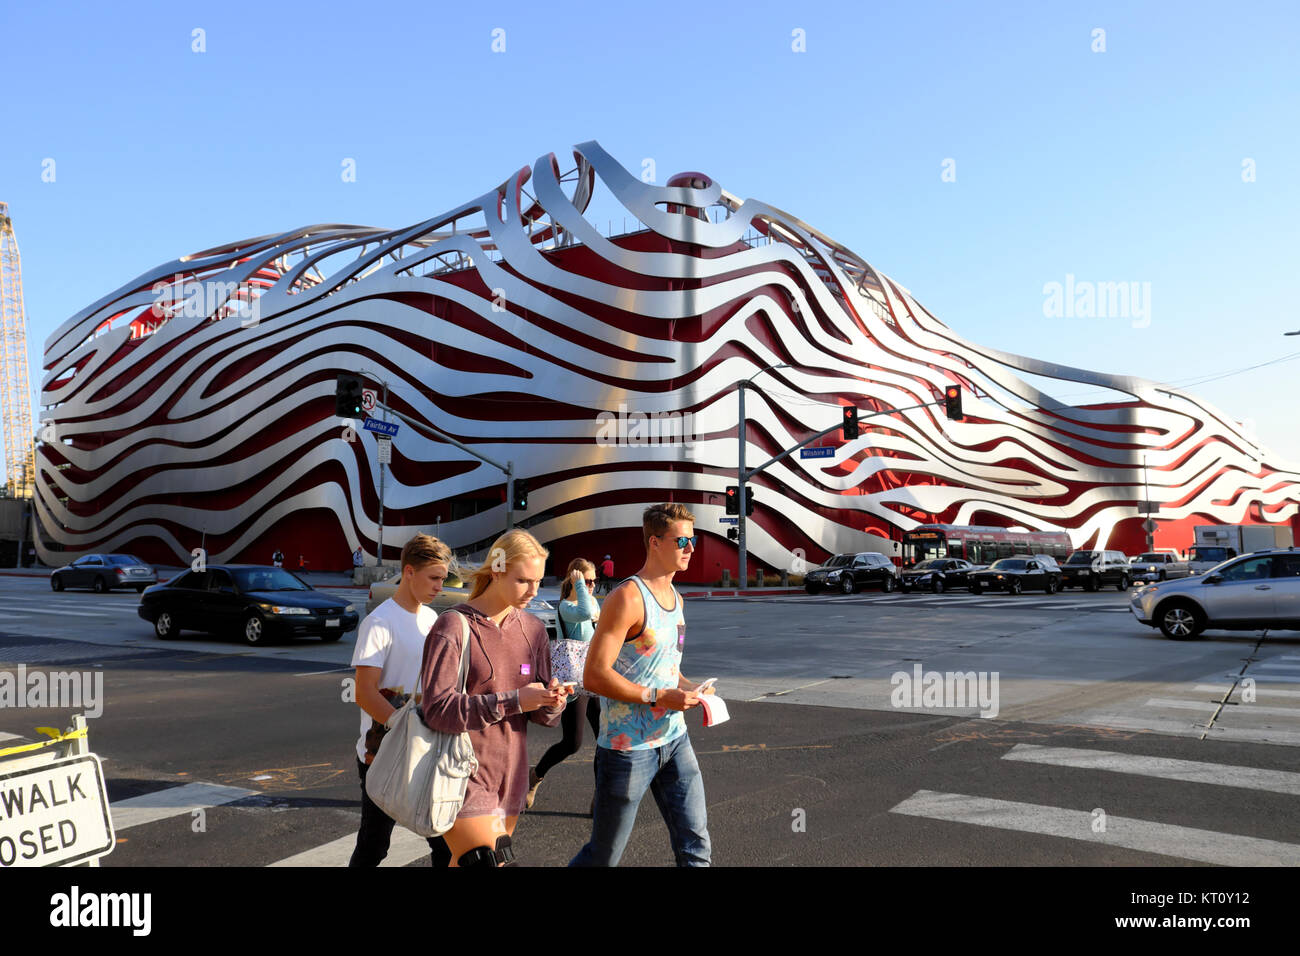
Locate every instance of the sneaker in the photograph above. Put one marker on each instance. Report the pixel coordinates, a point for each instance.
(534, 782)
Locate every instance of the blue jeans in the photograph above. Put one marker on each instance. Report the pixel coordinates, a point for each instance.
(673, 776)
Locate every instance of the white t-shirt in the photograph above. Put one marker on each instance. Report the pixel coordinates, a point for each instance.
(392, 639)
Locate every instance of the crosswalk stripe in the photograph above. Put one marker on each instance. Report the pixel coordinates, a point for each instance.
(1175, 704)
(1189, 771)
(1271, 678)
(1188, 843)
(172, 802)
(1273, 665)
(1269, 692)
(405, 848)
(1186, 728)
(59, 611)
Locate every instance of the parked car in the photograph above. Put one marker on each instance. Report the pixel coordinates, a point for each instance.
(1022, 572)
(260, 604)
(1158, 566)
(104, 572)
(1093, 570)
(937, 575)
(454, 591)
(852, 572)
(1249, 593)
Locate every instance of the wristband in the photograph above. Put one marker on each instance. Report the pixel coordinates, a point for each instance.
(645, 694)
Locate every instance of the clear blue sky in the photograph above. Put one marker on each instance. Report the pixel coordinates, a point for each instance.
(1119, 166)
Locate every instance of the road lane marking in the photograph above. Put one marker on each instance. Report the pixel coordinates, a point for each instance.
(1220, 688)
(173, 802)
(1167, 768)
(1185, 728)
(1171, 703)
(56, 611)
(1188, 843)
(405, 848)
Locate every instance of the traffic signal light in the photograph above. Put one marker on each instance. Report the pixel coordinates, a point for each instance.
(850, 422)
(347, 396)
(749, 500)
(521, 495)
(733, 499)
(733, 534)
(952, 397)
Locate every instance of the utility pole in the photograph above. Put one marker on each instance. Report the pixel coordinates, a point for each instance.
(379, 552)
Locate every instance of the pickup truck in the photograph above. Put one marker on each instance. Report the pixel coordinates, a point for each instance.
(1158, 566)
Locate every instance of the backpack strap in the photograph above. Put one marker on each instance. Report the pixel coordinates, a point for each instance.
(464, 649)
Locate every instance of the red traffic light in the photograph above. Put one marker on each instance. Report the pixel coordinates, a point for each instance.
(952, 399)
(850, 424)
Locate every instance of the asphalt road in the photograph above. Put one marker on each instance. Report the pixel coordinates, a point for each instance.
(1110, 747)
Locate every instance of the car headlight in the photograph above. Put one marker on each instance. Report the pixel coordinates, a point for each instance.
(349, 609)
(278, 609)
(999, 577)
(832, 576)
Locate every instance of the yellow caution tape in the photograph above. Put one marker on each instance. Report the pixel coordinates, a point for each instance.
(52, 733)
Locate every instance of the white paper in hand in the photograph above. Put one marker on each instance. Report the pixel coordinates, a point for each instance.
(715, 710)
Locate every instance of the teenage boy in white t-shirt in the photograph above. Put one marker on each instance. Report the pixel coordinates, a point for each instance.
(387, 658)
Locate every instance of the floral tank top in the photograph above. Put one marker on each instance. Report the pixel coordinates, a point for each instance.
(651, 659)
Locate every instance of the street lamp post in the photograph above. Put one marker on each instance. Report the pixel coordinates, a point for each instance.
(741, 495)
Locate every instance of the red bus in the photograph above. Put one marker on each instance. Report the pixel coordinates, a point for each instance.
(980, 545)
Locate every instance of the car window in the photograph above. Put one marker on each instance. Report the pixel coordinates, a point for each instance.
(839, 561)
(1286, 566)
(95, 561)
(1248, 570)
(192, 581)
(218, 579)
(1081, 557)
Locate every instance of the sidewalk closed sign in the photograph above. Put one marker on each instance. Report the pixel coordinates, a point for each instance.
(55, 814)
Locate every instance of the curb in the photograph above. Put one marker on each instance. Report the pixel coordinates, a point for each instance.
(742, 592)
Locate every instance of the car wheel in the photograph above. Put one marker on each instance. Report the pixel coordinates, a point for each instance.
(1013, 586)
(57, 583)
(165, 627)
(99, 587)
(1123, 583)
(887, 585)
(1181, 621)
(847, 584)
(937, 586)
(1051, 586)
(254, 631)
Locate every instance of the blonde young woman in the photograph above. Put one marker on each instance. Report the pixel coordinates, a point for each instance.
(508, 683)
(577, 617)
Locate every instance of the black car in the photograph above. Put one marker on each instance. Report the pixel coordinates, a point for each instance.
(1028, 572)
(1093, 570)
(851, 572)
(104, 572)
(260, 604)
(937, 575)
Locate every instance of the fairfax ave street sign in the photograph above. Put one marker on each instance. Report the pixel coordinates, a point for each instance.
(55, 814)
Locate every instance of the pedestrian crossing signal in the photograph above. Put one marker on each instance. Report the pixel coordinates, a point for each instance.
(733, 499)
(850, 422)
(733, 534)
(749, 500)
(521, 495)
(952, 398)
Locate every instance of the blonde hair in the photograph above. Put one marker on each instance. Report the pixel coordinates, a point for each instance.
(424, 550)
(577, 564)
(510, 548)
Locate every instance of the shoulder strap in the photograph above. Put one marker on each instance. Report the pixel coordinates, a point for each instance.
(464, 649)
(559, 622)
(645, 607)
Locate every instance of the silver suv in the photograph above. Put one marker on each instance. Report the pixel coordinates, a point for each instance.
(1249, 593)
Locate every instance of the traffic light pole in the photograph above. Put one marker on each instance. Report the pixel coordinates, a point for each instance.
(379, 552)
(743, 476)
(508, 468)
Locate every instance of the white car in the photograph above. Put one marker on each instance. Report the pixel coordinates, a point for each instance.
(1158, 566)
(455, 592)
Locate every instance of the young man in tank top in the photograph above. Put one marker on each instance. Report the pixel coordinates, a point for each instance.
(634, 665)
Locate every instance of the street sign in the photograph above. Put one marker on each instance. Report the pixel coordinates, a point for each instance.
(385, 446)
(1149, 524)
(381, 428)
(728, 521)
(816, 452)
(1148, 507)
(368, 399)
(55, 814)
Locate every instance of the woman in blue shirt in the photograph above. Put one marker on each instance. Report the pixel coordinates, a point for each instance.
(576, 621)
